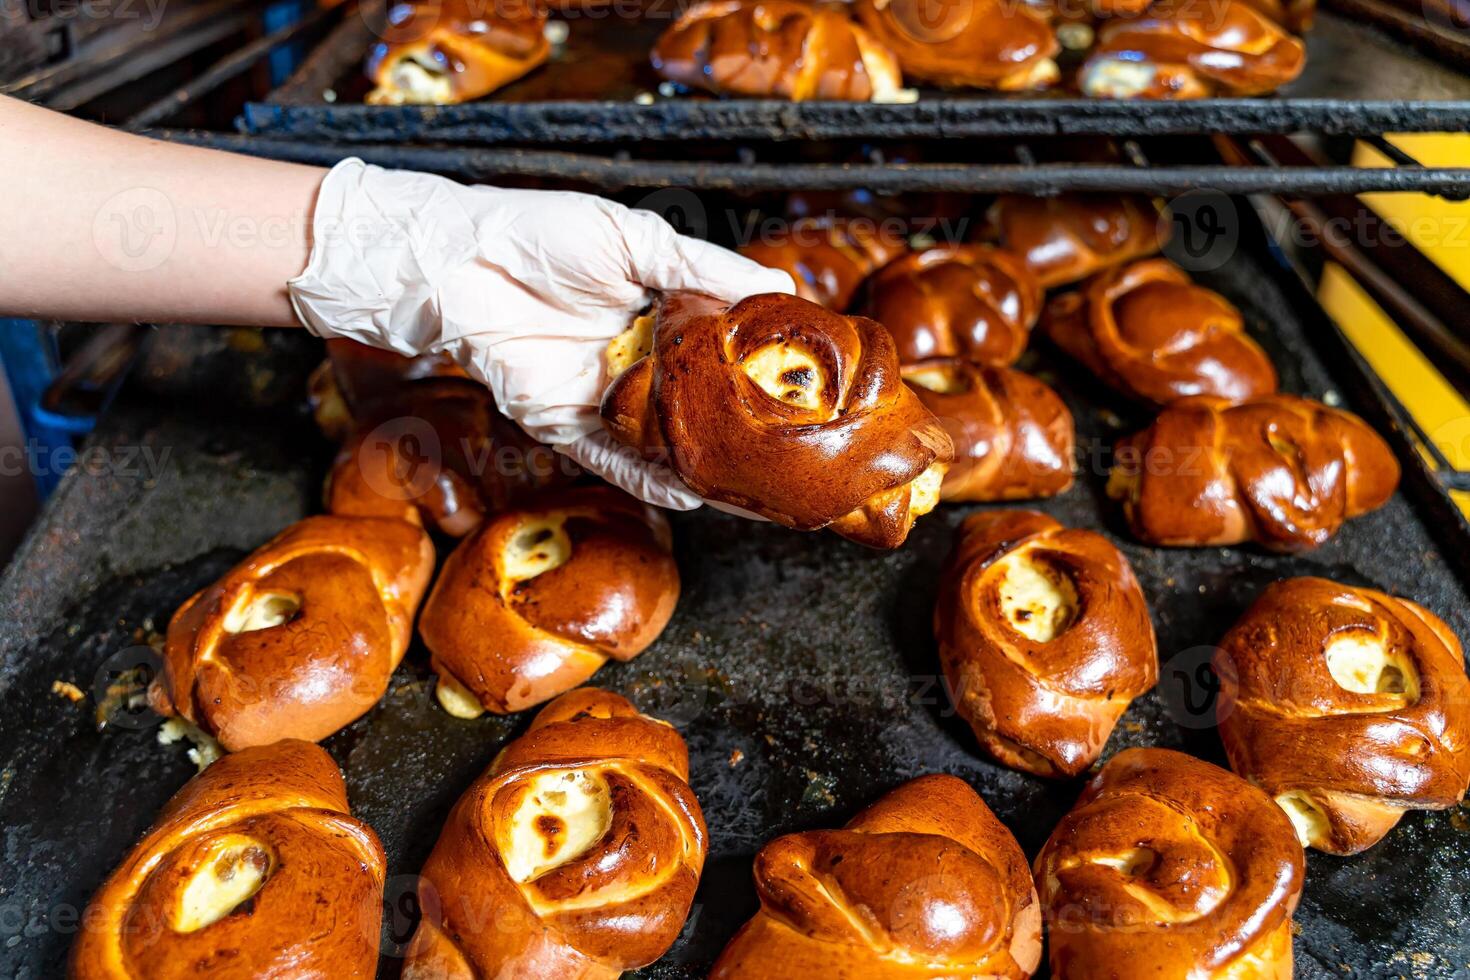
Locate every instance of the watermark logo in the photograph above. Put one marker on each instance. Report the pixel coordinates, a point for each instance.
(136, 230)
(1204, 230)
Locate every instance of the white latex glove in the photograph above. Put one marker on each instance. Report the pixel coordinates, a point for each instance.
(523, 288)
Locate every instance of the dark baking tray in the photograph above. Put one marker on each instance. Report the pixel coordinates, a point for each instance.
(809, 656)
(1357, 81)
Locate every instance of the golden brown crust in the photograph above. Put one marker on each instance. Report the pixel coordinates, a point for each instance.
(1013, 436)
(924, 883)
(333, 600)
(517, 641)
(1047, 702)
(1296, 16)
(1361, 758)
(1174, 867)
(617, 904)
(317, 912)
(463, 50)
(438, 451)
(777, 49)
(981, 44)
(973, 301)
(828, 258)
(1280, 470)
(1069, 237)
(844, 449)
(1150, 333)
(1192, 49)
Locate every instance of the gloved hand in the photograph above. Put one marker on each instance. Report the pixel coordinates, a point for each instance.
(523, 288)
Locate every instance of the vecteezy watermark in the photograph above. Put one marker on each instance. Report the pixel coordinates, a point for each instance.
(150, 12)
(1190, 687)
(120, 689)
(681, 208)
(1204, 230)
(126, 462)
(136, 230)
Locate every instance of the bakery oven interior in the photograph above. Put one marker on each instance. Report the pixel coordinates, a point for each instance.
(800, 668)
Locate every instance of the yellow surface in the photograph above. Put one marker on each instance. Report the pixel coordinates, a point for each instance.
(1441, 230)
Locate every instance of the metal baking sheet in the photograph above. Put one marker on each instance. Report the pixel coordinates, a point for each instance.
(799, 667)
(1357, 81)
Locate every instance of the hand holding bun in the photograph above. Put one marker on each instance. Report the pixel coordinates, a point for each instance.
(301, 637)
(542, 596)
(783, 408)
(981, 44)
(1071, 236)
(924, 883)
(576, 855)
(1170, 867)
(442, 52)
(973, 301)
(1191, 49)
(1348, 706)
(828, 258)
(254, 869)
(1045, 638)
(1153, 335)
(1013, 436)
(776, 49)
(1280, 470)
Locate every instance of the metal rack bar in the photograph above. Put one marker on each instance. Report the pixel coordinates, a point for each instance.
(225, 69)
(613, 173)
(71, 84)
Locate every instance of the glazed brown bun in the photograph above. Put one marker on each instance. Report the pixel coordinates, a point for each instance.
(1348, 706)
(1279, 470)
(925, 883)
(1191, 49)
(778, 49)
(1173, 867)
(785, 409)
(438, 452)
(443, 52)
(828, 258)
(576, 855)
(972, 301)
(1045, 638)
(353, 378)
(254, 869)
(300, 638)
(541, 597)
(1069, 237)
(1013, 436)
(1296, 16)
(1145, 330)
(981, 44)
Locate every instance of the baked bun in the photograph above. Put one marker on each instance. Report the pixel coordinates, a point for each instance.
(354, 377)
(443, 52)
(1348, 706)
(1173, 867)
(828, 258)
(924, 883)
(543, 595)
(1191, 49)
(1296, 16)
(1145, 330)
(439, 452)
(785, 409)
(1045, 638)
(779, 49)
(1069, 237)
(988, 44)
(1013, 436)
(1279, 470)
(300, 638)
(973, 301)
(576, 855)
(254, 869)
